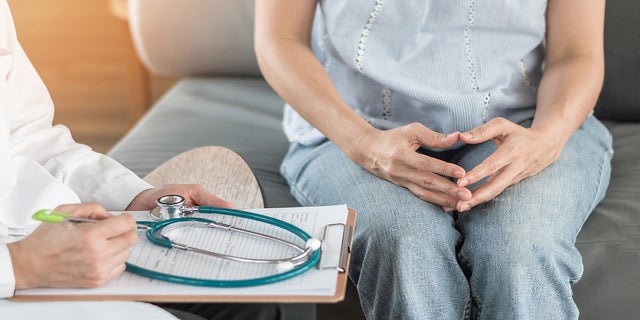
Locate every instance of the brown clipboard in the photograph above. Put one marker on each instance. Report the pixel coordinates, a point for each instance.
(341, 285)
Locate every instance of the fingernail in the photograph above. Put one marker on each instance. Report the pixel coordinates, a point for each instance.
(465, 207)
(463, 182)
(467, 135)
(447, 209)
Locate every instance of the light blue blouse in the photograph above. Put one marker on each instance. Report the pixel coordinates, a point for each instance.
(451, 65)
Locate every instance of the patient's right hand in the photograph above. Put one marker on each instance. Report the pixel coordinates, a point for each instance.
(391, 155)
(69, 255)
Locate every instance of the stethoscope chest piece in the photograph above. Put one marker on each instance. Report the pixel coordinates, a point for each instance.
(170, 207)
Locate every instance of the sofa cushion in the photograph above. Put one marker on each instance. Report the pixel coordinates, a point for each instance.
(610, 239)
(620, 96)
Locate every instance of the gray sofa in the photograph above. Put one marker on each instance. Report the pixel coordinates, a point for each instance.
(222, 100)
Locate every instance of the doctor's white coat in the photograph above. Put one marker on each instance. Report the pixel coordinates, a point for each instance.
(41, 166)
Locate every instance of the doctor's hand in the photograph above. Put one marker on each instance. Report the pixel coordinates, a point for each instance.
(193, 194)
(521, 153)
(72, 255)
(391, 155)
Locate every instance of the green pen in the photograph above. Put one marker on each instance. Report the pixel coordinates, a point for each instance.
(59, 217)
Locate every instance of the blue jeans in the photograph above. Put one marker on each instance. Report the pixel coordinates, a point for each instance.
(511, 258)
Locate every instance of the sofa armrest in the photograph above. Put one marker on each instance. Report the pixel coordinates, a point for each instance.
(194, 37)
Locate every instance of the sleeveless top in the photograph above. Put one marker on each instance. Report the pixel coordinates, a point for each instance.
(451, 65)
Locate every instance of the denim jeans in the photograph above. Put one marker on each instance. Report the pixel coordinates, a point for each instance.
(511, 258)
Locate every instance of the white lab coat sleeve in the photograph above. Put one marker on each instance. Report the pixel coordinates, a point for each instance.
(7, 278)
(91, 175)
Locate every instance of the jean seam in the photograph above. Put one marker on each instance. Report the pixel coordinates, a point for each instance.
(459, 225)
(606, 158)
(467, 310)
(473, 298)
(594, 203)
(301, 196)
(366, 305)
(295, 191)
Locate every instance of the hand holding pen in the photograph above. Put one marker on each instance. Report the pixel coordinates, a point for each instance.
(74, 254)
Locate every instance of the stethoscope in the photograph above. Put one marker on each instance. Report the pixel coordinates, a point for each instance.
(171, 213)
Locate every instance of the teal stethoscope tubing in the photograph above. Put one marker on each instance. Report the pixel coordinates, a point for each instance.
(156, 226)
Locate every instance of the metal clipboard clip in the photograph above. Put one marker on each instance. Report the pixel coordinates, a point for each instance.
(336, 253)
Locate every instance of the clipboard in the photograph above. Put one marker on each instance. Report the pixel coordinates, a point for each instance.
(345, 231)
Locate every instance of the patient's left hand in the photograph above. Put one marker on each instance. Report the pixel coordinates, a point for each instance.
(194, 194)
(521, 153)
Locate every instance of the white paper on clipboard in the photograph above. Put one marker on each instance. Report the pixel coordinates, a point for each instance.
(314, 282)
